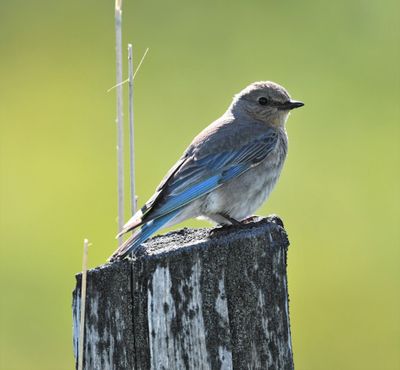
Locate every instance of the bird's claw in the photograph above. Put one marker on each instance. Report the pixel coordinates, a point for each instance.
(250, 219)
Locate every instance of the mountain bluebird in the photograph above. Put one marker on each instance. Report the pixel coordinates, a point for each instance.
(228, 170)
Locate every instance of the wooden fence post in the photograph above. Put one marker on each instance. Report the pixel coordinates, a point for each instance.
(195, 299)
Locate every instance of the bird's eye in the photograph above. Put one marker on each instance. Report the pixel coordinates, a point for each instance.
(263, 101)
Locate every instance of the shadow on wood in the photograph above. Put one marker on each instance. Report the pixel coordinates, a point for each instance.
(194, 299)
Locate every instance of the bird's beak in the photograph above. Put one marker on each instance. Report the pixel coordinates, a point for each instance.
(291, 104)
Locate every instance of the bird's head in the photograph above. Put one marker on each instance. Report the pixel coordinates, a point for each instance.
(264, 101)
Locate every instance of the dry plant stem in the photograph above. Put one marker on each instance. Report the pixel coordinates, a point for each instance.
(83, 303)
(131, 131)
(140, 63)
(120, 131)
(137, 70)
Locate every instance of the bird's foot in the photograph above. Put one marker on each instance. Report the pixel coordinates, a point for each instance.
(250, 219)
(233, 223)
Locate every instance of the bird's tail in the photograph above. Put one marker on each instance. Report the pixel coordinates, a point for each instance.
(133, 243)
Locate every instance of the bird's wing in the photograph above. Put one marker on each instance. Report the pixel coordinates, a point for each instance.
(193, 177)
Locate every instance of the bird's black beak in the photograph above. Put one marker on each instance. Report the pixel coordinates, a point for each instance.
(291, 104)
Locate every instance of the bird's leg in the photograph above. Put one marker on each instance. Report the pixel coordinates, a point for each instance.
(235, 222)
(232, 222)
(230, 219)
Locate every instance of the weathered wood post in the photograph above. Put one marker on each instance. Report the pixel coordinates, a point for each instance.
(196, 299)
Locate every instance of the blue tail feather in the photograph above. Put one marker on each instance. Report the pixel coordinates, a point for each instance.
(132, 244)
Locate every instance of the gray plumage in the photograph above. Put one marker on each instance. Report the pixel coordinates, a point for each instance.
(229, 169)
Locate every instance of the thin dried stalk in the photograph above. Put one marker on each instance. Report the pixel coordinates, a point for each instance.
(131, 131)
(120, 129)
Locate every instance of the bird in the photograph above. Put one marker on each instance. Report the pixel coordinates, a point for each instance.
(227, 172)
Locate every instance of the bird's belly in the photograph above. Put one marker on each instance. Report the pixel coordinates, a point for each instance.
(242, 196)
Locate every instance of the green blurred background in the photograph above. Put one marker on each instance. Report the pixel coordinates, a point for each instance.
(338, 194)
